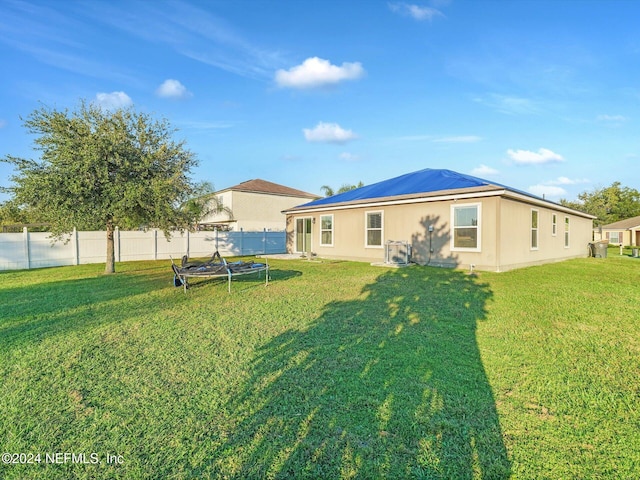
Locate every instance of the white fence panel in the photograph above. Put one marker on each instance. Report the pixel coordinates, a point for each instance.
(43, 252)
(136, 245)
(13, 253)
(202, 244)
(178, 242)
(34, 250)
(92, 247)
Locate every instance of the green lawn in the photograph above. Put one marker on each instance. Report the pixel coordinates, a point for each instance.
(335, 370)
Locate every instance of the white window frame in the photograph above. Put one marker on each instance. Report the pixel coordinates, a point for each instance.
(554, 225)
(366, 229)
(478, 247)
(326, 230)
(567, 229)
(535, 229)
(618, 237)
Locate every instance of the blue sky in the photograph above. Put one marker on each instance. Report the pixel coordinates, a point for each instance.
(543, 96)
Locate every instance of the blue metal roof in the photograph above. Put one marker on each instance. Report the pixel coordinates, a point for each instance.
(422, 181)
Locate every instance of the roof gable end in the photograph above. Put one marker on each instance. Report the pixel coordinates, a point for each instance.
(263, 186)
(625, 224)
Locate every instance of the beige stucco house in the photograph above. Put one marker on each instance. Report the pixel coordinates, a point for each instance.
(625, 232)
(254, 205)
(448, 219)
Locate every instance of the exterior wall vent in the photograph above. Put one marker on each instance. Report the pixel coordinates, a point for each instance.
(397, 253)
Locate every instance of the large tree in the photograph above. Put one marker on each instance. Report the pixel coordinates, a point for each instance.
(610, 204)
(100, 169)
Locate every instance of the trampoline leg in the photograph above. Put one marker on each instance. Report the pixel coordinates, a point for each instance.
(229, 288)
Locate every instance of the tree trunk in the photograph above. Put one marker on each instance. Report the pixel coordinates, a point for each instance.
(110, 266)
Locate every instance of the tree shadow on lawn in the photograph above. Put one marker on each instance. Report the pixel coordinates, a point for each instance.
(33, 312)
(36, 311)
(388, 385)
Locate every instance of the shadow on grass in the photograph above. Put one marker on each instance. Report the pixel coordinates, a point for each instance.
(33, 312)
(388, 385)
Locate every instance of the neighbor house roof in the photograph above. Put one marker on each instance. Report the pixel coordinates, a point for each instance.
(424, 185)
(632, 222)
(262, 186)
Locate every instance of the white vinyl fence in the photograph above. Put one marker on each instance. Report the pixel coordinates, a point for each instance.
(36, 250)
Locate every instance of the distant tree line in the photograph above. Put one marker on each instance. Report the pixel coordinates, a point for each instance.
(610, 204)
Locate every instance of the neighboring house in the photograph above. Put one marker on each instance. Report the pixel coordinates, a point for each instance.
(254, 205)
(449, 219)
(625, 232)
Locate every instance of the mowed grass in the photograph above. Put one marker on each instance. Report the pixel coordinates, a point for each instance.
(335, 370)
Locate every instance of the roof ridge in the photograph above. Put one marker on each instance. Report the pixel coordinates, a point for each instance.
(260, 185)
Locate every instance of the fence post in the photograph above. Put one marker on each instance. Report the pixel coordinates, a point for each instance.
(76, 253)
(155, 243)
(116, 243)
(241, 241)
(215, 230)
(188, 244)
(264, 241)
(27, 253)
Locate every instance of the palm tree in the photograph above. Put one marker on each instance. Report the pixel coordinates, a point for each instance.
(329, 192)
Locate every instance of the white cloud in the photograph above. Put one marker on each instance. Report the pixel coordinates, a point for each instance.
(315, 72)
(191, 30)
(547, 191)
(567, 181)
(171, 88)
(552, 189)
(415, 11)
(328, 133)
(349, 157)
(612, 118)
(113, 100)
(527, 157)
(509, 105)
(484, 170)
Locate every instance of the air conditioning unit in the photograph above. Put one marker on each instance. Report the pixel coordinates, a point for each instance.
(397, 253)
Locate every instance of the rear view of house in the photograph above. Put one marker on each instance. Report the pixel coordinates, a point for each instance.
(447, 219)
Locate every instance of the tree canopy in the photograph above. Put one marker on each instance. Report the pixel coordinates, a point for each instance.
(100, 169)
(610, 204)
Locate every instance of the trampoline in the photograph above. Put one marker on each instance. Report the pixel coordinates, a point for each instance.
(215, 267)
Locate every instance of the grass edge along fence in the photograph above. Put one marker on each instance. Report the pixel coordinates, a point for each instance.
(28, 250)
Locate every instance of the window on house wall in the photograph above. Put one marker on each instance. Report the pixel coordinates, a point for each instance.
(615, 237)
(534, 229)
(373, 229)
(326, 230)
(566, 232)
(466, 227)
(554, 225)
